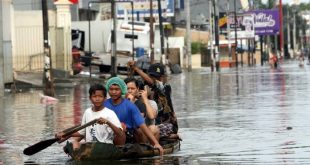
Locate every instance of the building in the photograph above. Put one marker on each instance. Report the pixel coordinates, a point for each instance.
(200, 9)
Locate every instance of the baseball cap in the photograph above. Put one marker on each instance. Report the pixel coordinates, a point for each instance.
(156, 70)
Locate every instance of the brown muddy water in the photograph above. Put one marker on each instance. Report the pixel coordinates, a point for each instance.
(237, 116)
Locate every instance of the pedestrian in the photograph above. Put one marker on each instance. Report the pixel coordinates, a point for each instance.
(108, 127)
(128, 113)
(301, 59)
(273, 59)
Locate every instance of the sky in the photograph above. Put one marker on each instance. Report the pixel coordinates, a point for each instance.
(288, 1)
(301, 1)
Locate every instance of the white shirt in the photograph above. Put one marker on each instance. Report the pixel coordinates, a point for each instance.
(97, 132)
(149, 121)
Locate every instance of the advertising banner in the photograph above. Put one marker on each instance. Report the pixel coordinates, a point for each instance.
(142, 8)
(223, 22)
(244, 25)
(267, 22)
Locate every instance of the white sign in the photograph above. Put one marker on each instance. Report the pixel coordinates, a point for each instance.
(244, 25)
(142, 8)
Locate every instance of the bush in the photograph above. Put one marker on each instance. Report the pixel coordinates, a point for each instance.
(196, 47)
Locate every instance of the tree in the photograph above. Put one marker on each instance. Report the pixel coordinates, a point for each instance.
(259, 4)
(304, 6)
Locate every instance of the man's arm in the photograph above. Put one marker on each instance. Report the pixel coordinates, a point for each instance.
(151, 138)
(145, 76)
(62, 138)
(150, 112)
(139, 121)
(118, 131)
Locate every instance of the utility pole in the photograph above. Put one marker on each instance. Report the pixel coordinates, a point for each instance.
(216, 30)
(113, 40)
(228, 33)
(261, 50)
(249, 53)
(188, 36)
(211, 36)
(294, 31)
(288, 31)
(236, 37)
(151, 32)
(281, 26)
(276, 36)
(89, 37)
(161, 29)
(47, 73)
(132, 30)
(241, 47)
(1, 53)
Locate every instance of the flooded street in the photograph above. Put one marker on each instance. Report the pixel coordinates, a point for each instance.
(249, 115)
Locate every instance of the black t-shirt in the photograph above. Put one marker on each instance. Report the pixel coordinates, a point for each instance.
(162, 96)
(141, 106)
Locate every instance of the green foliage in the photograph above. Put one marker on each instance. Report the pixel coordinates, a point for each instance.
(196, 47)
(304, 6)
(270, 4)
(260, 5)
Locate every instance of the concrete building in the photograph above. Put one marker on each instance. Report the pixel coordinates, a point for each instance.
(200, 8)
(306, 37)
(6, 41)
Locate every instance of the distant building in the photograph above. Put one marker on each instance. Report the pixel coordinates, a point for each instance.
(306, 15)
(200, 9)
(22, 5)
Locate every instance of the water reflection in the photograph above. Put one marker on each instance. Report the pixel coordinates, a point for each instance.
(245, 116)
(242, 116)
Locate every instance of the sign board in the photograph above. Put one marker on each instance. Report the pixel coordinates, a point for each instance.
(267, 22)
(142, 8)
(244, 25)
(72, 1)
(222, 21)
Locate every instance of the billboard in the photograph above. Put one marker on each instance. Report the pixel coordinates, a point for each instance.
(244, 26)
(267, 22)
(223, 18)
(142, 8)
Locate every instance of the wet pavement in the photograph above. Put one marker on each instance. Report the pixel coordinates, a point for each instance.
(249, 115)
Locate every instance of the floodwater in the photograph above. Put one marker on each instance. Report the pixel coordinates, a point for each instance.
(249, 115)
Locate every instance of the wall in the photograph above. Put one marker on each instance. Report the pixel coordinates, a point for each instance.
(196, 36)
(7, 40)
(27, 40)
(27, 5)
(177, 42)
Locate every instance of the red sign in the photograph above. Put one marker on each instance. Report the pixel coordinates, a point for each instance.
(73, 1)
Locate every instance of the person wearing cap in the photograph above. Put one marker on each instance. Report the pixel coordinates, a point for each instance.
(127, 112)
(157, 80)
